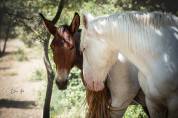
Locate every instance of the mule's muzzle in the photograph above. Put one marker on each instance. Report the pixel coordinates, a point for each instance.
(62, 84)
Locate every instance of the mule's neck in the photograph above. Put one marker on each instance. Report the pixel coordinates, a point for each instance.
(79, 56)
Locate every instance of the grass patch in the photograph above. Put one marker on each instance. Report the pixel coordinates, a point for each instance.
(20, 55)
(135, 111)
(38, 75)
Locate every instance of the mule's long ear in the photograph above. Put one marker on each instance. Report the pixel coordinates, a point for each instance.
(49, 25)
(74, 26)
(86, 19)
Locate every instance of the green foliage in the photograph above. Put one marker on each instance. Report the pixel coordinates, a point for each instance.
(135, 111)
(99, 9)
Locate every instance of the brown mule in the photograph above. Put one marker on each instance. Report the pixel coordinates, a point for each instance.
(64, 49)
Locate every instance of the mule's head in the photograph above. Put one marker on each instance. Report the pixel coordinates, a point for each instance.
(97, 54)
(63, 48)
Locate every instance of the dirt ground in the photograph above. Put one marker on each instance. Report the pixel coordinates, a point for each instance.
(18, 93)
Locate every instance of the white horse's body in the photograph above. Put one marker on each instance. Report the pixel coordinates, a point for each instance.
(149, 41)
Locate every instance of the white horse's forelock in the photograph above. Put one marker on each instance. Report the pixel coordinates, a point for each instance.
(89, 16)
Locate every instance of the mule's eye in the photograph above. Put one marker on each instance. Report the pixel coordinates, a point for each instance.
(62, 41)
(52, 45)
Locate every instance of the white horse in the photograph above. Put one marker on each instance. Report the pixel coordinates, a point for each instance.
(147, 40)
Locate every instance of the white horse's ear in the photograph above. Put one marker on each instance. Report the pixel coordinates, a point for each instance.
(86, 19)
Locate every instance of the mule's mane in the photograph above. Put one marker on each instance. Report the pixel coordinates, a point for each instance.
(65, 26)
(78, 43)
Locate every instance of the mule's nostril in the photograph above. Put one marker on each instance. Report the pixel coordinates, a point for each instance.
(66, 82)
(62, 84)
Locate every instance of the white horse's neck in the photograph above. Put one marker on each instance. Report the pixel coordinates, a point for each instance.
(144, 46)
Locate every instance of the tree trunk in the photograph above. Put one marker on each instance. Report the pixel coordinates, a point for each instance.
(2, 7)
(6, 39)
(50, 72)
(50, 78)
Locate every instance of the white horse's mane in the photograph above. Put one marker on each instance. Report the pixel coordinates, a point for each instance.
(152, 19)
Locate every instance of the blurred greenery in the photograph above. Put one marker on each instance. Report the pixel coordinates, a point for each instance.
(21, 16)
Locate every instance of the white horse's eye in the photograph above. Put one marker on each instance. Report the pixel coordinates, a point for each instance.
(83, 49)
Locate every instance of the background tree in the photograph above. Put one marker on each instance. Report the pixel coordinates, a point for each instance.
(149, 5)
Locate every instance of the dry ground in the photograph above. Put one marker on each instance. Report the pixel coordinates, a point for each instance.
(18, 94)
